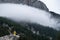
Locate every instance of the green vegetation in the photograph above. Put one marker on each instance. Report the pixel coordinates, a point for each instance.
(25, 30)
(58, 35)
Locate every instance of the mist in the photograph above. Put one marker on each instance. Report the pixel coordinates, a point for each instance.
(20, 12)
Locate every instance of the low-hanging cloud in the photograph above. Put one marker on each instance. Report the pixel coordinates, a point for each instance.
(20, 12)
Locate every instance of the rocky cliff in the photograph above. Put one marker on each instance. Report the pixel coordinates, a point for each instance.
(34, 3)
(10, 37)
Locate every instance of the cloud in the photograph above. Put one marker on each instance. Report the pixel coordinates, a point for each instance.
(20, 12)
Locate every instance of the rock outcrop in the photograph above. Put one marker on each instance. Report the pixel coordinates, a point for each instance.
(10, 37)
(34, 3)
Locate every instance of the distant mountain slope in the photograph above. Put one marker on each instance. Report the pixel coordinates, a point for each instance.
(57, 18)
(34, 3)
(30, 30)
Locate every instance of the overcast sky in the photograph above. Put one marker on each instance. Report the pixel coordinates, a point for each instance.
(53, 5)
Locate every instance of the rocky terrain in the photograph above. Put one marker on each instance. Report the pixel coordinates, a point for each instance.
(33, 3)
(10, 37)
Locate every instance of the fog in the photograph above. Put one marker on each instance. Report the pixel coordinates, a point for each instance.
(20, 12)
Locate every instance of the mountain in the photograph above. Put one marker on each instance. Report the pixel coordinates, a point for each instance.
(55, 15)
(57, 18)
(33, 3)
(28, 31)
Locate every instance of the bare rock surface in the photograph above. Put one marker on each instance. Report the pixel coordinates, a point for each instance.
(33, 3)
(10, 37)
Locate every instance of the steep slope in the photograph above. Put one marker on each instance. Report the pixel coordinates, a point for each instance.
(33, 3)
(57, 18)
(28, 31)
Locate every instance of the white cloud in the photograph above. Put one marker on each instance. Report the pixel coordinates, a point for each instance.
(19, 12)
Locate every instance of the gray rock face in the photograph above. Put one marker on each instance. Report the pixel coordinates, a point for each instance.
(10, 37)
(34, 3)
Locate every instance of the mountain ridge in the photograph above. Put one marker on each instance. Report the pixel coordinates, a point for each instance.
(33, 3)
